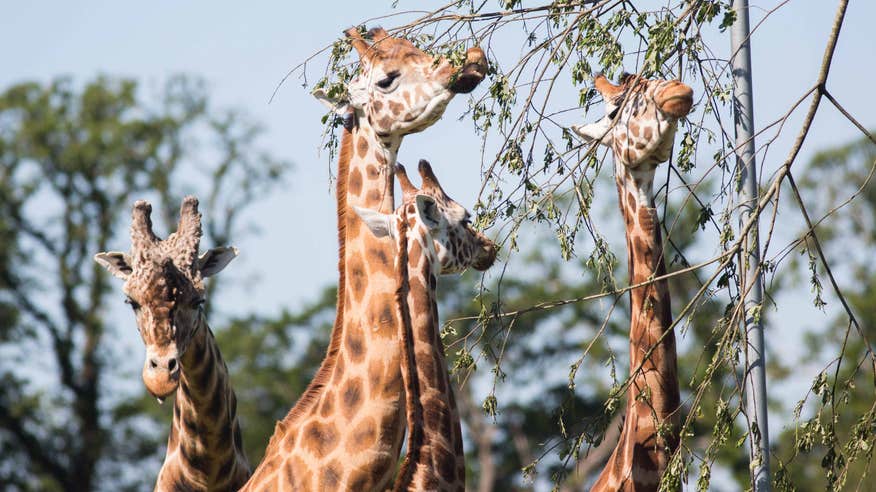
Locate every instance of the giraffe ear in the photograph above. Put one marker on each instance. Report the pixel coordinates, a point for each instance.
(337, 106)
(599, 131)
(115, 262)
(380, 224)
(428, 211)
(215, 260)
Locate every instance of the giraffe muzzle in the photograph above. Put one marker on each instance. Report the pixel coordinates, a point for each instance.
(675, 100)
(472, 73)
(161, 374)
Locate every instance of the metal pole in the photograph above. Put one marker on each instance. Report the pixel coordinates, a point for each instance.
(755, 377)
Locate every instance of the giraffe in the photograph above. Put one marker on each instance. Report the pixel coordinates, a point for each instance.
(639, 127)
(164, 284)
(346, 430)
(433, 235)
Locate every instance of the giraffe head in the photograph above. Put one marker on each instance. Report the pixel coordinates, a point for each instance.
(444, 224)
(399, 88)
(164, 285)
(640, 120)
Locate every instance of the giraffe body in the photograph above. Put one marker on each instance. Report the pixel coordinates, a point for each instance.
(433, 237)
(164, 285)
(346, 431)
(639, 126)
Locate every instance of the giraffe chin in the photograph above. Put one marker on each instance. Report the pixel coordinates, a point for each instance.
(161, 386)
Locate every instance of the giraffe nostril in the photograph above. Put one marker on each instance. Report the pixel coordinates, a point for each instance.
(171, 365)
(153, 363)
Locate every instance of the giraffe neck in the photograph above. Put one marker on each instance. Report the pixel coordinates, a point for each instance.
(435, 459)
(347, 429)
(641, 456)
(204, 450)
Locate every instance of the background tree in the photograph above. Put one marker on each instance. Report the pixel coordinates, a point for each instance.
(72, 160)
(830, 446)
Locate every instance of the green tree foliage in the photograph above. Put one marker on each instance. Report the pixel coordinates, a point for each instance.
(72, 160)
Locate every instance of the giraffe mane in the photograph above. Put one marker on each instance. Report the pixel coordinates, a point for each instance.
(321, 379)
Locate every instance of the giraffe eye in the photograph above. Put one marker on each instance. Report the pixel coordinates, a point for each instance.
(134, 304)
(387, 81)
(198, 302)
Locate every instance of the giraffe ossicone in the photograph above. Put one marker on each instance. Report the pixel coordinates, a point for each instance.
(433, 236)
(164, 284)
(639, 126)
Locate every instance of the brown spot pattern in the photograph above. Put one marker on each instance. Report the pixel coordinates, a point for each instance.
(374, 197)
(354, 183)
(396, 108)
(289, 442)
(357, 279)
(362, 148)
(378, 256)
(320, 438)
(647, 219)
(446, 464)
(330, 477)
(375, 375)
(372, 172)
(351, 397)
(415, 253)
(362, 437)
(355, 343)
(328, 404)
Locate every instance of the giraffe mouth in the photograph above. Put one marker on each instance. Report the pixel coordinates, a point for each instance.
(487, 257)
(473, 72)
(161, 390)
